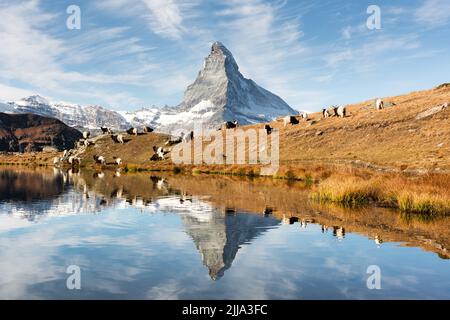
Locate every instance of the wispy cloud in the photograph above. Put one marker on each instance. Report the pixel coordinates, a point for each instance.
(165, 18)
(131, 53)
(43, 61)
(334, 59)
(434, 12)
(264, 38)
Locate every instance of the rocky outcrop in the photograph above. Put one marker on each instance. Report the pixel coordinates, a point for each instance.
(432, 111)
(30, 132)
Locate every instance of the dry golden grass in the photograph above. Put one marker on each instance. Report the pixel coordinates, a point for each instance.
(426, 194)
(31, 159)
(350, 191)
(391, 138)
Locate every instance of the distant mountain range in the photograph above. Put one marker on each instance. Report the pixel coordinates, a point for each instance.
(220, 93)
(80, 117)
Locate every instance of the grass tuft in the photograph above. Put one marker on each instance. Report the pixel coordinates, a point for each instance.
(349, 192)
(427, 195)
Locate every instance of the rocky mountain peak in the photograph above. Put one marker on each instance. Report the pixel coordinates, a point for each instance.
(34, 100)
(221, 93)
(220, 52)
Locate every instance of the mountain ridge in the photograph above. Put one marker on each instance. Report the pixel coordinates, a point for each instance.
(32, 132)
(219, 93)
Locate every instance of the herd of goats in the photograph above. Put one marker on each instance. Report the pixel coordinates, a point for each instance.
(72, 158)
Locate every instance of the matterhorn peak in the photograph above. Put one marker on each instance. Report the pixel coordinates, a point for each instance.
(218, 48)
(221, 93)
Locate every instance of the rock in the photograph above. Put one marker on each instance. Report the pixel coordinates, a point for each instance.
(432, 111)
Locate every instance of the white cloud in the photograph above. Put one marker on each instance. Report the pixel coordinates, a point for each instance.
(347, 32)
(11, 93)
(30, 55)
(366, 55)
(334, 59)
(434, 12)
(165, 18)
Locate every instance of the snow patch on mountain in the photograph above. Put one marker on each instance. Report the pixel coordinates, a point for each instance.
(74, 115)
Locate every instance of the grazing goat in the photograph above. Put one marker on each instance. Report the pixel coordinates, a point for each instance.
(86, 135)
(268, 129)
(173, 141)
(99, 159)
(341, 112)
(106, 130)
(74, 160)
(305, 116)
(379, 104)
(187, 137)
(159, 154)
(332, 111)
(148, 129)
(290, 120)
(324, 113)
(87, 143)
(117, 138)
(99, 175)
(117, 161)
(132, 131)
(231, 125)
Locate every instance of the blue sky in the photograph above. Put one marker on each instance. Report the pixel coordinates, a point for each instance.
(134, 53)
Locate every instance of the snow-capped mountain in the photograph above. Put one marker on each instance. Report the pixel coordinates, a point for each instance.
(74, 115)
(143, 117)
(220, 93)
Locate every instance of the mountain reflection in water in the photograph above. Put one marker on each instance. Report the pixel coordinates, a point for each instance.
(217, 236)
(151, 226)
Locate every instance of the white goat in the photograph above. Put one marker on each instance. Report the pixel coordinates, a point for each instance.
(341, 111)
(379, 104)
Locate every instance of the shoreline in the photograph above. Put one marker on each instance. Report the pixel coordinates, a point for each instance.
(348, 185)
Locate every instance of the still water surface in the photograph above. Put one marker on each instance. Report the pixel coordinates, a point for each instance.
(179, 237)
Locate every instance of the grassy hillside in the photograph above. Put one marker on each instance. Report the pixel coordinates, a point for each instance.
(392, 138)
